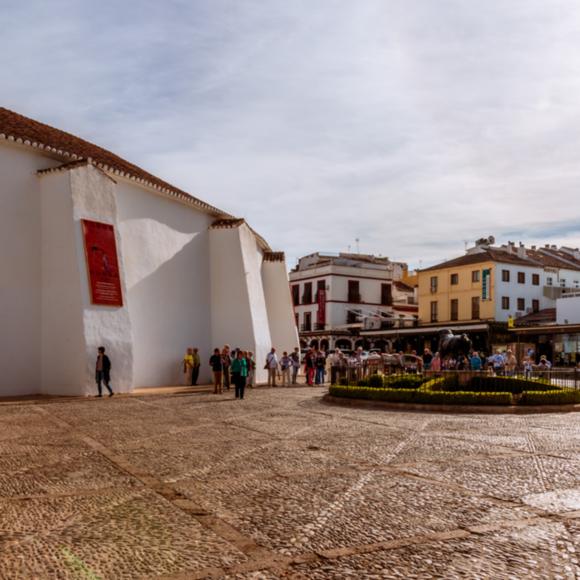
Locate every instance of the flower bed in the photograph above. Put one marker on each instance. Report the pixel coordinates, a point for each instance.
(481, 390)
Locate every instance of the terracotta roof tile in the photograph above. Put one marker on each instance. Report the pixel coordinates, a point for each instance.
(16, 127)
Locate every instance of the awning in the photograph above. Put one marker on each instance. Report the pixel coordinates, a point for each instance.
(425, 330)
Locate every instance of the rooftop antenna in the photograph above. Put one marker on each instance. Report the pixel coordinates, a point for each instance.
(465, 242)
(357, 240)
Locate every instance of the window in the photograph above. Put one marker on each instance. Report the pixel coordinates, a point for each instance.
(320, 285)
(549, 281)
(433, 284)
(295, 294)
(297, 319)
(505, 302)
(353, 291)
(475, 276)
(521, 304)
(307, 326)
(536, 279)
(576, 284)
(353, 316)
(475, 307)
(505, 275)
(307, 296)
(454, 309)
(386, 294)
(521, 277)
(563, 283)
(535, 305)
(454, 279)
(434, 311)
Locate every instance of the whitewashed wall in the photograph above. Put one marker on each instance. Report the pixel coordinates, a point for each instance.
(20, 269)
(283, 330)
(168, 283)
(238, 308)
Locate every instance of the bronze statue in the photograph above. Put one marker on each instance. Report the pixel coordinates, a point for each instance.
(453, 344)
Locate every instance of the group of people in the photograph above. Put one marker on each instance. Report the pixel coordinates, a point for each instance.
(499, 363)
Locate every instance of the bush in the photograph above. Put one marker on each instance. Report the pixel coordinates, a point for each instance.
(376, 381)
(404, 381)
(554, 397)
(506, 385)
(420, 396)
(362, 383)
(343, 382)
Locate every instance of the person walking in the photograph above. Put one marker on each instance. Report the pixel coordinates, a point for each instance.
(336, 360)
(309, 366)
(272, 366)
(251, 363)
(226, 364)
(511, 362)
(187, 366)
(103, 372)
(196, 363)
(427, 359)
(436, 363)
(239, 374)
(320, 363)
(475, 361)
(216, 364)
(295, 356)
(285, 366)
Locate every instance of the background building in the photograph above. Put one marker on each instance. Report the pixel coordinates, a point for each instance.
(337, 297)
(491, 286)
(96, 251)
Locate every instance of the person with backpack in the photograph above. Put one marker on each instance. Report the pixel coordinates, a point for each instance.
(216, 364)
(320, 363)
(239, 374)
(272, 367)
(295, 356)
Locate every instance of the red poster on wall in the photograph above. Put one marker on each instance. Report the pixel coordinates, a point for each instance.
(321, 314)
(102, 263)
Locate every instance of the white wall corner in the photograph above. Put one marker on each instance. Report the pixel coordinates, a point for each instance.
(94, 198)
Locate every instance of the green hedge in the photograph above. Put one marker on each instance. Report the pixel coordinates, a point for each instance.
(554, 397)
(403, 381)
(505, 385)
(420, 396)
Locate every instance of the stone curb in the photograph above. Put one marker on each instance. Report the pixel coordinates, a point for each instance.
(460, 409)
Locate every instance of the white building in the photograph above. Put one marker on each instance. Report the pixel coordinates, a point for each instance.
(336, 296)
(536, 279)
(183, 273)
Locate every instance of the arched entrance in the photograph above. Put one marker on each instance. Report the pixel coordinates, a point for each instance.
(324, 345)
(343, 344)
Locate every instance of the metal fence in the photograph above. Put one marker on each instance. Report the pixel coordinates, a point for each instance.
(559, 377)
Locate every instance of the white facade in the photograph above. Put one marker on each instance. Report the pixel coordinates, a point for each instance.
(568, 309)
(185, 280)
(524, 298)
(354, 293)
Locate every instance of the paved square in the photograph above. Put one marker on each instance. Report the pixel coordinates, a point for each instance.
(281, 485)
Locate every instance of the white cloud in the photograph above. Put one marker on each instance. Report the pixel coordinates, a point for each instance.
(410, 125)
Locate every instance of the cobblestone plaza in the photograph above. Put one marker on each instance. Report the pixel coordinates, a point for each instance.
(281, 485)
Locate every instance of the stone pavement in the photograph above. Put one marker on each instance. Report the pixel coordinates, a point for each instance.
(281, 485)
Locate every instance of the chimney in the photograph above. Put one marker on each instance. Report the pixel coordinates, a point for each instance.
(521, 250)
(534, 248)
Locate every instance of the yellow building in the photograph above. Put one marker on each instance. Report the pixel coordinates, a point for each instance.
(460, 290)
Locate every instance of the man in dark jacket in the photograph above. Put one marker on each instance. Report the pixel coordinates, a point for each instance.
(103, 372)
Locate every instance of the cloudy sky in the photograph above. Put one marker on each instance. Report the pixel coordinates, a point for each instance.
(415, 126)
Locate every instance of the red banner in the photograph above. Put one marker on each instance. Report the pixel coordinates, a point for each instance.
(102, 263)
(321, 314)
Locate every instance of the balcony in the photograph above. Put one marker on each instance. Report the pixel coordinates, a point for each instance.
(306, 327)
(320, 326)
